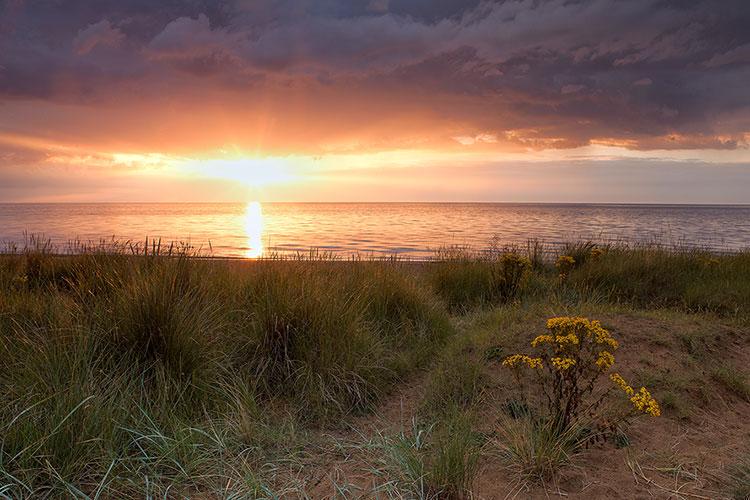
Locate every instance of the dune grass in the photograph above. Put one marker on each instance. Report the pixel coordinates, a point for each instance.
(652, 277)
(159, 374)
(132, 373)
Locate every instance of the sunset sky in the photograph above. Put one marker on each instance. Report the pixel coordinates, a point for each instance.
(375, 100)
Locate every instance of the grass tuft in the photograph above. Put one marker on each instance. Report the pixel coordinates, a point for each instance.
(535, 451)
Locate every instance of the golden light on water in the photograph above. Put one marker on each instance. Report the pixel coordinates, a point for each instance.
(254, 230)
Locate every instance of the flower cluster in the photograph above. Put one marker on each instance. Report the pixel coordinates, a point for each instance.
(620, 382)
(565, 264)
(517, 260)
(569, 328)
(605, 360)
(642, 400)
(563, 363)
(596, 253)
(601, 336)
(542, 339)
(520, 359)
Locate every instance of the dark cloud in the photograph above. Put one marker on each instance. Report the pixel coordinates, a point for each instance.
(647, 73)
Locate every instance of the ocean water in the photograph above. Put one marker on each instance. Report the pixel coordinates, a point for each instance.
(410, 229)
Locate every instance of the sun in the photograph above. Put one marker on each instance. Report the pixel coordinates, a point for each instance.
(249, 171)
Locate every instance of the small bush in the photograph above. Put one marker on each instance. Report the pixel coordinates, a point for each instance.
(565, 264)
(580, 251)
(571, 359)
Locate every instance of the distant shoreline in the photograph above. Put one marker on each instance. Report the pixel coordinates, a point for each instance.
(507, 203)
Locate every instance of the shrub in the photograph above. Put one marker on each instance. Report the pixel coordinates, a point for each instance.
(570, 360)
(565, 264)
(580, 251)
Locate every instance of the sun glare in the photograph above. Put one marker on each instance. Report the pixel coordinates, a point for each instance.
(252, 172)
(254, 230)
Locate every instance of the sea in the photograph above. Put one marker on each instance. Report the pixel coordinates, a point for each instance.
(408, 230)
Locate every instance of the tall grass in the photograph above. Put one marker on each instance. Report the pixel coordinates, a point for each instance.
(335, 352)
(433, 462)
(466, 280)
(658, 277)
(535, 450)
(130, 375)
(150, 373)
(308, 343)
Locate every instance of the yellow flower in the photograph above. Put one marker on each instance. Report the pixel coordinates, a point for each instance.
(596, 253)
(565, 323)
(519, 359)
(620, 382)
(563, 363)
(542, 339)
(605, 360)
(601, 336)
(565, 261)
(571, 338)
(514, 258)
(643, 401)
(578, 327)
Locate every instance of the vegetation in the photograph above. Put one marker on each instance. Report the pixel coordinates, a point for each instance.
(135, 371)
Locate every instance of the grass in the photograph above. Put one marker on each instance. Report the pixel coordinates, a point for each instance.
(159, 374)
(534, 451)
(735, 381)
(738, 479)
(652, 277)
(433, 462)
(465, 280)
(119, 369)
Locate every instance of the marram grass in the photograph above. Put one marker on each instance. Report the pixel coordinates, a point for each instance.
(159, 374)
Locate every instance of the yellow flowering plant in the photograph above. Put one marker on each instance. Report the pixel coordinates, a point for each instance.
(571, 361)
(596, 253)
(565, 264)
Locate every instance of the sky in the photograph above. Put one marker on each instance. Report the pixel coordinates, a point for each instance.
(375, 100)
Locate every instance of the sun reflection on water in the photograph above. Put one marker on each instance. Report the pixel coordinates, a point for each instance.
(254, 230)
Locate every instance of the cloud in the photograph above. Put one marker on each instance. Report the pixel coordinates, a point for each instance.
(98, 34)
(372, 74)
(737, 55)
